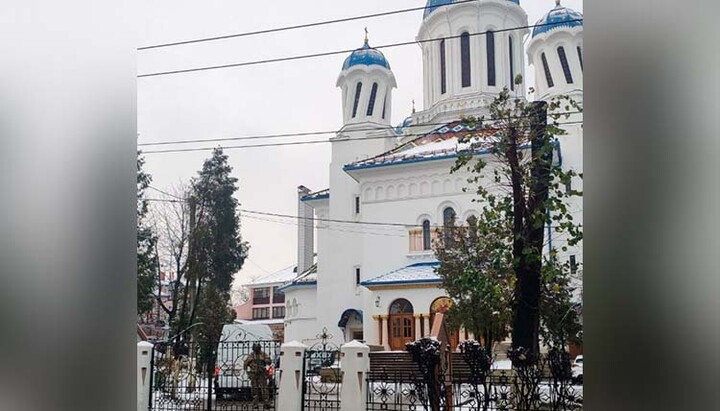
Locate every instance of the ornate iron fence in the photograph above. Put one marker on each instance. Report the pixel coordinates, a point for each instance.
(188, 376)
(322, 377)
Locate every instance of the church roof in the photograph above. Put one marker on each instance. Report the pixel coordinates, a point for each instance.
(307, 278)
(317, 195)
(433, 5)
(438, 144)
(282, 276)
(418, 273)
(559, 16)
(367, 56)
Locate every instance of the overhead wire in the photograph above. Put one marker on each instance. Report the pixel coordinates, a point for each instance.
(295, 27)
(312, 133)
(336, 52)
(294, 143)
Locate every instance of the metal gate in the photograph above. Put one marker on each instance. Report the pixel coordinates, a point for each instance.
(322, 377)
(188, 376)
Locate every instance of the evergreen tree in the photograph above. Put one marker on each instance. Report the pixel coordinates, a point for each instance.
(146, 259)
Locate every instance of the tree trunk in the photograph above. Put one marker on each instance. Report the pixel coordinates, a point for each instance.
(528, 233)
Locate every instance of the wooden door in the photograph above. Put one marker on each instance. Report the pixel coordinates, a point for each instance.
(402, 330)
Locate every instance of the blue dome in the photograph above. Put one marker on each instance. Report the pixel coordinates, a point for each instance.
(558, 17)
(365, 55)
(432, 5)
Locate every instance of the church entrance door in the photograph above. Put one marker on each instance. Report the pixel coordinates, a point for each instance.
(402, 324)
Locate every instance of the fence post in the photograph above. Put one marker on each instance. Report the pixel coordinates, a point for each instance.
(292, 357)
(144, 357)
(355, 363)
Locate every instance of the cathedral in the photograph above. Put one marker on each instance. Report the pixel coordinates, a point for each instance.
(372, 276)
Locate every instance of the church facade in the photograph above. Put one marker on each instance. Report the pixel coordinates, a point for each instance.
(372, 276)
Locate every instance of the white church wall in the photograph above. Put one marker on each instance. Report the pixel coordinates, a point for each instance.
(300, 314)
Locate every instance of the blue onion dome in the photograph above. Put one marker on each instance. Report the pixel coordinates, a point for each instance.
(433, 5)
(558, 17)
(366, 55)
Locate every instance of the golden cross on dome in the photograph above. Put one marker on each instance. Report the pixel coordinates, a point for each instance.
(557, 2)
(413, 106)
(366, 35)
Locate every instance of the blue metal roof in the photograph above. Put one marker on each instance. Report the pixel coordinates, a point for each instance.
(558, 17)
(418, 273)
(433, 5)
(367, 56)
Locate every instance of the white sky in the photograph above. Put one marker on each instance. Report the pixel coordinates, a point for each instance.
(285, 97)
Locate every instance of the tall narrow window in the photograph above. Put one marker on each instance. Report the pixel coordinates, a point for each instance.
(357, 275)
(579, 50)
(357, 204)
(512, 63)
(490, 42)
(371, 103)
(358, 88)
(448, 223)
(426, 234)
(465, 59)
(384, 105)
(565, 65)
(443, 69)
(548, 76)
(573, 264)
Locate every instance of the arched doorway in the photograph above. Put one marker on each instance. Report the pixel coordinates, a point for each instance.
(401, 323)
(442, 305)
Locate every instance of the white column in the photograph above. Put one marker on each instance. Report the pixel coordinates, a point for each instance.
(426, 318)
(355, 364)
(417, 326)
(144, 353)
(385, 341)
(292, 355)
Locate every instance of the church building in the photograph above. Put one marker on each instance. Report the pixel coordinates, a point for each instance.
(372, 276)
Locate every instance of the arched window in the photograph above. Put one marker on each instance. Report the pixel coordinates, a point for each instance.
(465, 59)
(371, 103)
(426, 235)
(548, 75)
(448, 222)
(402, 324)
(579, 50)
(384, 105)
(443, 69)
(565, 65)
(490, 42)
(358, 89)
(512, 63)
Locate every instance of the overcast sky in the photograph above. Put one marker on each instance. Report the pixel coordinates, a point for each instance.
(285, 97)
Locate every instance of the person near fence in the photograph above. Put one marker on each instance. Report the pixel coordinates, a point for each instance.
(255, 367)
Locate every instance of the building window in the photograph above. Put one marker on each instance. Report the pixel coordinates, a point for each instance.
(371, 103)
(443, 69)
(512, 63)
(426, 235)
(261, 313)
(568, 186)
(357, 204)
(358, 89)
(357, 275)
(548, 75)
(573, 264)
(565, 65)
(448, 222)
(579, 50)
(384, 105)
(261, 296)
(490, 43)
(278, 296)
(278, 312)
(465, 59)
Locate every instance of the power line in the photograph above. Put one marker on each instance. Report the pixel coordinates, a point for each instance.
(299, 26)
(332, 53)
(294, 143)
(312, 133)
